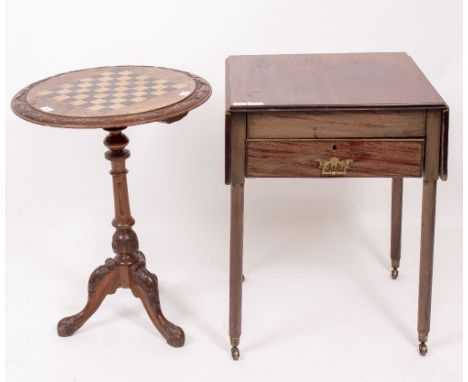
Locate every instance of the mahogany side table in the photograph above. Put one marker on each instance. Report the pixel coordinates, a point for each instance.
(113, 98)
(335, 115)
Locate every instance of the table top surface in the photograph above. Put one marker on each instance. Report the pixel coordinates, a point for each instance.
(111, 97)
(341, 80)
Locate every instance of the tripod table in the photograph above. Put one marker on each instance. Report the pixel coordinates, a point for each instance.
(113, 98)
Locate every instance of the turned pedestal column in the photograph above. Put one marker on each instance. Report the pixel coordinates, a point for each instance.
(127, 269)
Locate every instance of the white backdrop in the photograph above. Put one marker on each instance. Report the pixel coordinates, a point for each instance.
(319, 302)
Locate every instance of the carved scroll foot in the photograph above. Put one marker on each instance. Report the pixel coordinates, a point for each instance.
(144, 285)
(103, 281)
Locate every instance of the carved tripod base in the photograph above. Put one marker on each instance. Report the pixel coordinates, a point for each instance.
(128, 268)
(143, 284)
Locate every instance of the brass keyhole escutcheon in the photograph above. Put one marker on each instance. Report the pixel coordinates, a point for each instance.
(334, 166)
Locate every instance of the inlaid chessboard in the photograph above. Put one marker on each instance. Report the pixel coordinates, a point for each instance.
(110, 91)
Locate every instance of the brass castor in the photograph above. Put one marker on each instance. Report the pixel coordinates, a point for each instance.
(234, 348)
(235, 353)
(394, 273)
(423, 348)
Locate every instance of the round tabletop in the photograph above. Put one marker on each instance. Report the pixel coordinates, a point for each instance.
(112, 96)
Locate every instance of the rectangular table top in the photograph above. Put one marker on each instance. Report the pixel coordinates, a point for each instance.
(334, 80)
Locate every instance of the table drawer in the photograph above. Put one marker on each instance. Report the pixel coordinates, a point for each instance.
(334, 158)
(337, 124)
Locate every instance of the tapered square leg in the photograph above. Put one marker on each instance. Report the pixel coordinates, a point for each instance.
(426, 262)
(395, 241)
(235, 283)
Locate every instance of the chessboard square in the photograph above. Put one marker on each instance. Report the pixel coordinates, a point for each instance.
(159, 92)
(100, 95)
(121, 83)
(81, 96)
(105, 79)
(159, 87)
(87, 79)
(102, 90)
(61, 97)
(124, 78)
(141, 87)
(125, 72)
(45, 92)
(117, 100)
(117, 106)
(85, 85)
(64, 91)
(139, 93)
(122, 89)
(98, 101)
(102, 85)
(82, 90)
(141, 83)
(78, 103)
(161, 81)
(120, 94)
(179, 86)
(142, 77)
(66, 86)
(106, 74)
(137, 99)
(96, 107)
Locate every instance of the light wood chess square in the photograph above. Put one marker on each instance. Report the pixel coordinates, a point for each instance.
(81, 96)
(96, 107)
(118, 100)
(98, 101)
(117, 106)
(100, 95)
(78, 103)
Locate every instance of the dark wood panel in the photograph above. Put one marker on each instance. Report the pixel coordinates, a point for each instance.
(237, 148)
(300, 158)
(327, 80)
(444, 145)
(337, 124)
(433, 137)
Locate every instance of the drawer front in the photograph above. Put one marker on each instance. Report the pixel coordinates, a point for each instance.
(337, 124)
(334, 158)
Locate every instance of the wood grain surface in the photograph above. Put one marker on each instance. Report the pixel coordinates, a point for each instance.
(337, 124)
(327, 80)
(299, 158)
